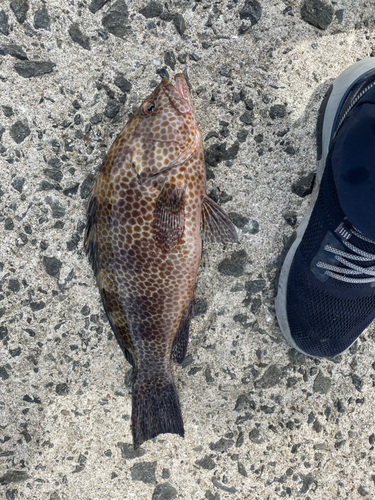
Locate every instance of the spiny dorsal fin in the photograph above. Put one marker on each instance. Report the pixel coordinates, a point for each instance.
(169, 217)
(216, 227)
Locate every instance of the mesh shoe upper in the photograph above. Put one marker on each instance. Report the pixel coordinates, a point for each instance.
(326, 314)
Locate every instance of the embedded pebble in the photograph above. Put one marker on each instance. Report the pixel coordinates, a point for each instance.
(317, 13)
(151, 10)
(62, 389)
(322, 384)
(13, 476)
(13, 50)
(30, 69)
(222, 445)
(115, 21)
(290, 218)
(4, 23)
(206, 463)
(52, 265)
(8, 111)
(71, 191)
(144, 471)
(277, 111)
(200, 306)
(8, 224)
(270, 378)
(252, 226)
(128, 452)
(123, 84)
(18, 183)
(179, 23)
(78, 37)
(96, 5)
(112, 108)
(304, 185)
(242, 469)
(252, 10)
(42, 19)
(170, 59)
(256, 436)
(86, 185)
(164, 491)
(247, 117)
(4, 375)
(20, 8)
(218, 484)
(238, 220)
(233, 265)
(166, 474)
(219, 152)
(357, 381)
(242, 135)
(19, 131)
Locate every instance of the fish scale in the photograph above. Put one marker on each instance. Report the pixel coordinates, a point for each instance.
(145, 217)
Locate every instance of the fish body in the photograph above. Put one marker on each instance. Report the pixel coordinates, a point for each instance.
(145, 217)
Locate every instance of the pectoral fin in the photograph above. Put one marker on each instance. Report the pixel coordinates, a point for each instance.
(169, 217)
(216, 227)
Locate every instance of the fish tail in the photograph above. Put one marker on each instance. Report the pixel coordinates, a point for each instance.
(156, 410)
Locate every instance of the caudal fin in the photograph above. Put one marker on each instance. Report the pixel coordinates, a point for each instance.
(156, 410)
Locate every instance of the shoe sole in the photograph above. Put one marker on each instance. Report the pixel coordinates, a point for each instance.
(326, 123)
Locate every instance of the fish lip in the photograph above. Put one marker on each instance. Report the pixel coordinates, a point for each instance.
(178, 88)
(167, 84)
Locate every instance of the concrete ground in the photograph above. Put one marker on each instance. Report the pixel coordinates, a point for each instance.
(262, 421)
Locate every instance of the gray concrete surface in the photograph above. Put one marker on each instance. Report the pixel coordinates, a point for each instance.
(262, 421)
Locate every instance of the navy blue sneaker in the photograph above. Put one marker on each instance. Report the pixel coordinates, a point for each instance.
(326, 289)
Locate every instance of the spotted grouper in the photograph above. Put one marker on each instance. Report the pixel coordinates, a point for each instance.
(147, 212)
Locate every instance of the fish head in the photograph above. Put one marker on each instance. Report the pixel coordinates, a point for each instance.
(165, 132)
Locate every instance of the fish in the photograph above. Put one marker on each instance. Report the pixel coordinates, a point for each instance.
(146, 218)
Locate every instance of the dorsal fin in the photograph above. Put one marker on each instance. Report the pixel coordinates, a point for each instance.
(121, 332)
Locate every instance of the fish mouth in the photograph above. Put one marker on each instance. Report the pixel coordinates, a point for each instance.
(179, 85)
(178, 95)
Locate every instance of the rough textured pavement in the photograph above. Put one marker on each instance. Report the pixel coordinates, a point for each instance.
(262, 421)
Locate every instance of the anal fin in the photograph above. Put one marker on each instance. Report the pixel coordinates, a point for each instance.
(181, 339)
(216, 227)
(169, 217)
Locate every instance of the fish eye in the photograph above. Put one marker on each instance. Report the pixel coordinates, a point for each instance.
(148, 108)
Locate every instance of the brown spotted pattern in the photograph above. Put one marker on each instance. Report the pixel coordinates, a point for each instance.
(144, 241)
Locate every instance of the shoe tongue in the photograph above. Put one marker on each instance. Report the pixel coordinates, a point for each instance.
(353, 164)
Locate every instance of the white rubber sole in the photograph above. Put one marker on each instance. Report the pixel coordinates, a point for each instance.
(343, 83)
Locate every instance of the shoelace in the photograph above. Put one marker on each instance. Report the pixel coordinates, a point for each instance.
(350, 268)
